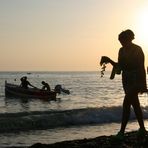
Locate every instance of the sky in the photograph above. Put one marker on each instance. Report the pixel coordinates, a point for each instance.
(67, 35)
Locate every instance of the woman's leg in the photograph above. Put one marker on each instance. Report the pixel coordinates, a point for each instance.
(125, 113)
(138, 111)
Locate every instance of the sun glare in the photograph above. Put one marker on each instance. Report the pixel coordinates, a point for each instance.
(142, 27)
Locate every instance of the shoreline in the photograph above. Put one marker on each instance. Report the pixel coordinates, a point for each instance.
(130, 141)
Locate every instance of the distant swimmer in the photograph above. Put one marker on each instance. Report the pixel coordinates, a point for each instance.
(25, 83)
(45, 86)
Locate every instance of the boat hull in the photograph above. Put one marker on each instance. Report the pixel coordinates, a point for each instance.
(12, 90)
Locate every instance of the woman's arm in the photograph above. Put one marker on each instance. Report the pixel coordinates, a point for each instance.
(107, 60)
(116, 68)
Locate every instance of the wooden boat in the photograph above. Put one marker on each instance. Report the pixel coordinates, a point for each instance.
(13, 90)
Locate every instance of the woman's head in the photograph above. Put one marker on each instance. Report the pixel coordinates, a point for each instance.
(126, 36)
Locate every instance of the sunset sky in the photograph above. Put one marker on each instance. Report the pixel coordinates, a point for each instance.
(67, 35)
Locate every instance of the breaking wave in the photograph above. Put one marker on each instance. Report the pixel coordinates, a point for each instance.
(11, 122)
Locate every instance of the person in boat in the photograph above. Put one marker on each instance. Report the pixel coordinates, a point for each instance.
(131, 63)
(45, 86)
(25, 83)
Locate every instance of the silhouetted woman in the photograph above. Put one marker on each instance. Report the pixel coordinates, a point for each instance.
(131, 63)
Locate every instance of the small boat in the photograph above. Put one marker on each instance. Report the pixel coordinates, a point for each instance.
(13, 90)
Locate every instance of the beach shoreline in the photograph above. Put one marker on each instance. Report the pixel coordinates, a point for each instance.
(131, 140)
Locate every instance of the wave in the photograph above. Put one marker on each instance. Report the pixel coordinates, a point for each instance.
(11, 122)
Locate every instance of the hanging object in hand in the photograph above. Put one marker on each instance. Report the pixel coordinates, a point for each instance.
(103, 69)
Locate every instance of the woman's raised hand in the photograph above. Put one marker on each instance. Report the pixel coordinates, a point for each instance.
(105, 59)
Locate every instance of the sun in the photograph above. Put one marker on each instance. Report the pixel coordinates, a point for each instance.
(142, 27)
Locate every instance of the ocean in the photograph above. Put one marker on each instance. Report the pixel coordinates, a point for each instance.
(93, 108)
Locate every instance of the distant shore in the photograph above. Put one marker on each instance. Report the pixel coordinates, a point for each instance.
(130, 141)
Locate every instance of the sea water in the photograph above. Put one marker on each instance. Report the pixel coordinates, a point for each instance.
(92, 109)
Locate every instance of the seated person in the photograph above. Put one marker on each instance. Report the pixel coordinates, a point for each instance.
(25, 83)
(45, 86)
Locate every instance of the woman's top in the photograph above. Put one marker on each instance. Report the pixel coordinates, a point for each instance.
(131, 63)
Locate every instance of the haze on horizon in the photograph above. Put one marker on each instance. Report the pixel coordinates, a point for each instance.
(67, 35)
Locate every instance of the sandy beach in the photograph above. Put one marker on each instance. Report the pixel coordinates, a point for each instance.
(130, 141)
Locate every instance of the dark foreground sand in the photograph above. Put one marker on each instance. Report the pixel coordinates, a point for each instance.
(130, 141)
